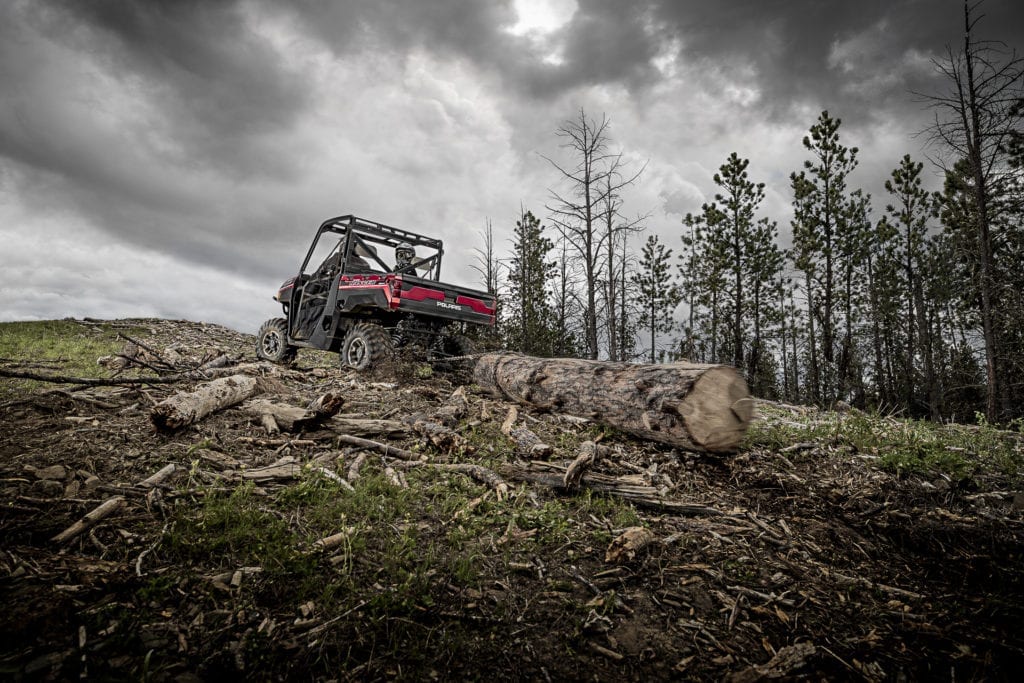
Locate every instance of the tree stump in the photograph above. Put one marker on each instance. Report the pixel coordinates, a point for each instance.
(697, 407)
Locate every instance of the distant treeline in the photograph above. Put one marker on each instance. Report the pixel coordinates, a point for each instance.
(909, 304)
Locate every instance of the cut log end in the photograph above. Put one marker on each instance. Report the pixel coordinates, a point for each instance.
(717, 409)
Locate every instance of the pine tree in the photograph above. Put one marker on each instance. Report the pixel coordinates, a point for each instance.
(530, 321)
(763, 273)
(820, 205)
(656, 295)
(853, 241)
(909, 213)
(734, 232)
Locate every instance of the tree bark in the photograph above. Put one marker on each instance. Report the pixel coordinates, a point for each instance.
(187, 408)
(697, 407)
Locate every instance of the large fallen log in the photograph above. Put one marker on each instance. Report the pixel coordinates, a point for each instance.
(698, 407)
(187, 408)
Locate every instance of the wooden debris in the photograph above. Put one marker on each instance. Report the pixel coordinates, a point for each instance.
(626, 545)
(89, 381)
(528, 444)
(629, 487)
(454, 409)
(589, 454)
(353, 469)
(334, 540)
(100, 512)
(361, 426)
(291, 418)
(440, 436)
(783, 665)
(184, 409)
(160, 476)
(383, 448)
(396, 477)
(477, 472)
(698, 407)
(269, 423)
(287, 467)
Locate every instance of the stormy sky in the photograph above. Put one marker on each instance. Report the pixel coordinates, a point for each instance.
(173, 158)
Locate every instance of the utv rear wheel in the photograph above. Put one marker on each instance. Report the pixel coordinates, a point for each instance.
(272, 342)
(365, 345)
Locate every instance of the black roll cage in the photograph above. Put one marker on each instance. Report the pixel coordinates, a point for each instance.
(362, 234)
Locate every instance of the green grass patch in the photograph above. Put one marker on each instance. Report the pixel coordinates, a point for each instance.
(57, 347)
(904, 446)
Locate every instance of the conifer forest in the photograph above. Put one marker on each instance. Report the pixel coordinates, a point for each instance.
(908, 303)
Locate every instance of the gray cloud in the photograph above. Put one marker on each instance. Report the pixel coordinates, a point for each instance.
(208, 139)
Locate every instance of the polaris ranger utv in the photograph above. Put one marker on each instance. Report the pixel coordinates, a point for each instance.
(368, 291)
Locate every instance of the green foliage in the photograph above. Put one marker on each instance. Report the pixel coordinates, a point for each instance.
(730, 269)
(656, 296)
(822, 212)
(529, 319)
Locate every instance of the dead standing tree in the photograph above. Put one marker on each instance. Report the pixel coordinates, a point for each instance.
(594, 185)
(975, 120)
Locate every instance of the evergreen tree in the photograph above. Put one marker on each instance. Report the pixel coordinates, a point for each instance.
(703, 270)
(884, 303)
(820, 206)
(737, 201)
(853, 241)
(656, 295)
(530, 320)
(909, 215)
(764, 265)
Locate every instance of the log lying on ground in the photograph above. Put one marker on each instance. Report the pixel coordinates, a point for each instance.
(187, 408)
(293, 418)
(698, 407)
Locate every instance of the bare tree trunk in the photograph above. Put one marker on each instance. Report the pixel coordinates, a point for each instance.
(815, 369)
(698, 407)
(926, 342)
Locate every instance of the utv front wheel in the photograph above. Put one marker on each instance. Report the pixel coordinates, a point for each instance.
(365, 346)
(272, 342)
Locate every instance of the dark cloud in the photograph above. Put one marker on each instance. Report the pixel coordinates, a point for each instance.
(213, 84)
(810, 50)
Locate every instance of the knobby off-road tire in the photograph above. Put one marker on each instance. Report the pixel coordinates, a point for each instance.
(272, 342)
(365, 345)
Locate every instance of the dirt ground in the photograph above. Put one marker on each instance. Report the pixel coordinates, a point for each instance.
(795, 560)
